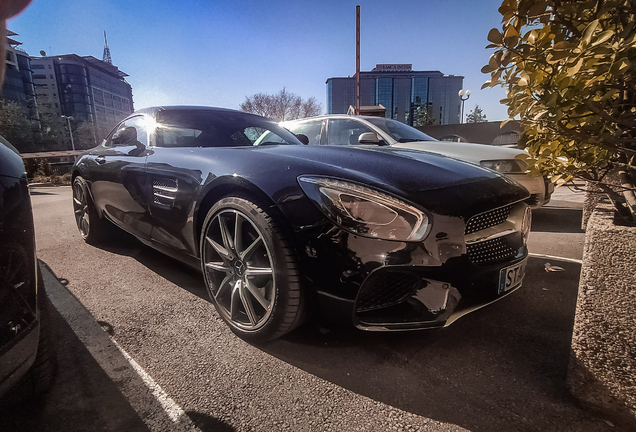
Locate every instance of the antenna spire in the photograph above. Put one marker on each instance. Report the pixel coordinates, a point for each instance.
(106, 56)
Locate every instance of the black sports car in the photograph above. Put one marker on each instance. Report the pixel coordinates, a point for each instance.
(27, 362)
(384, 238)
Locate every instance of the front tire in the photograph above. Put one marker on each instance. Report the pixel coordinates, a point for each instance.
(250, 271)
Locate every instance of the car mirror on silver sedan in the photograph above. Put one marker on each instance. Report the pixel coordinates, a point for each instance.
(369, 138)
(303, 138)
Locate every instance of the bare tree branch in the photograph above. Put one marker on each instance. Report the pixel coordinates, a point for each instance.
(281, 106)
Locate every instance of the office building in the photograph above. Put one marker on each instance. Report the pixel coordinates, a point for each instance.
(82, 87)
(412, 97)
(18, 81)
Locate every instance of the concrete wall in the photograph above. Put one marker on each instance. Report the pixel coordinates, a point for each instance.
(602, 372)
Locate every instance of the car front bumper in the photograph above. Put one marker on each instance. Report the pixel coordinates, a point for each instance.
(380, 285)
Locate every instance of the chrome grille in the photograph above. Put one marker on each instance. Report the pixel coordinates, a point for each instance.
(487, 219)
(490, 251)
(386, 288)
(164, 191)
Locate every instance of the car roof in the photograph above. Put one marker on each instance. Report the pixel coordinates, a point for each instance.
(156, 109)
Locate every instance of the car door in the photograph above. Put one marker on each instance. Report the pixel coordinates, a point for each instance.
(175, 173)
(312, 129)
(345, 131)
(118, 182)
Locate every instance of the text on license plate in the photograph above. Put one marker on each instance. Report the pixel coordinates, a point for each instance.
(512, 276)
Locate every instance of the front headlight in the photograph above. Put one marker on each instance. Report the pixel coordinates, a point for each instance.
(364, 211)
(505, 166)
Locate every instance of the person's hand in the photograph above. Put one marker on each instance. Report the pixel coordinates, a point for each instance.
(10, 8)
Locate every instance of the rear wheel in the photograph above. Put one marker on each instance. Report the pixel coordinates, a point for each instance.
(250, 270)
(89, 224)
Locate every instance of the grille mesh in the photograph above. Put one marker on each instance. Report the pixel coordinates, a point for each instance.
(164, 191)
(487, 219)
(386, 288)
(165, 183)
(490, 251)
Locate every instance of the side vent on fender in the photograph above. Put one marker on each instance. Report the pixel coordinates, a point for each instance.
(165, 191)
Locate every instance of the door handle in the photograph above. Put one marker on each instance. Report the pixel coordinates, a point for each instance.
(100, 159)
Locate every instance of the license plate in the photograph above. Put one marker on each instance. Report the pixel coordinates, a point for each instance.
(510, 277)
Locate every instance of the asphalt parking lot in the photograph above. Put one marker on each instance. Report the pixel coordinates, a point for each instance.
(140, 349)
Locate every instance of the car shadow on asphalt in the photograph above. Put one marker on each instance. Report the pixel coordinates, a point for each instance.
(503, 367)
(82, 398)
(40, 192)
(180, 274)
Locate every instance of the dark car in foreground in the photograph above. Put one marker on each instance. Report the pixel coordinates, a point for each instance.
(27, 362)
(382, 238)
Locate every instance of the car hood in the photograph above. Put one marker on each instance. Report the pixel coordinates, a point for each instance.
(405, 169)
(433, 181)
(466, 151)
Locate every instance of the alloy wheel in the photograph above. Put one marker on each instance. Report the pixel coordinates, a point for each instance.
(238, 270)
(80, 206)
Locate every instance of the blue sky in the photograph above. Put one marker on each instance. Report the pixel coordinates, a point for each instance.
(205, 52)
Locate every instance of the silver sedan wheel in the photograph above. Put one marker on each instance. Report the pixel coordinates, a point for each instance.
(238, 270)
(80, 206)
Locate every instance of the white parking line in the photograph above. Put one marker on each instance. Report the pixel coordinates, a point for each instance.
(556, 258)
(152, 404)
(173, 410)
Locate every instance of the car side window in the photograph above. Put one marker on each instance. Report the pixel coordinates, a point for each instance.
(345, 131)
(129, 133)
(311, 129)
(174, 136)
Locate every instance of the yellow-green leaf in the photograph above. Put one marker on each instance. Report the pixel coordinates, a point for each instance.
(511, 31)
(603, 37)
(575, 69)
(495, 36)
(563, 45)
(589, 31)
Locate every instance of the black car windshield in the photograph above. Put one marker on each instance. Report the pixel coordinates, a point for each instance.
(399, 131)
(210, 128)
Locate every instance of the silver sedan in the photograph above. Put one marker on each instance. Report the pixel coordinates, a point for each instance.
(342, 129)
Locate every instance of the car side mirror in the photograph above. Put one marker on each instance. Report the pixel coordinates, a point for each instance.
(368, 138)
(303, 138)
(125, 136)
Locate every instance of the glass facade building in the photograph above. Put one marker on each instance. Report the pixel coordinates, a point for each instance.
(18, 82)
(412, 97)
(88, 89)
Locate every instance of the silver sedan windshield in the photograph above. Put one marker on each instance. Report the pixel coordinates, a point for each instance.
(399, 131)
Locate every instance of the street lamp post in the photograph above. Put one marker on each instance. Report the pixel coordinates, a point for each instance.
(68, 119)
(464, 99)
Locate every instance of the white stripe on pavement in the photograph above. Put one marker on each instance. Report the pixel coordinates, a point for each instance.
(153, 405)
(556, 258)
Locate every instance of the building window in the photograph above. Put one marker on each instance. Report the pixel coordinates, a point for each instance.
(39, 76)
(384, 92)
(37, 66)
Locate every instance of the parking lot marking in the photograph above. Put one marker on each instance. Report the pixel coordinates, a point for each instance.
(556, 258)
(174, 411)
(148, 399)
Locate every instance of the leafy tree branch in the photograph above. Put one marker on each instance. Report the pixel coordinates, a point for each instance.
(569, 67)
